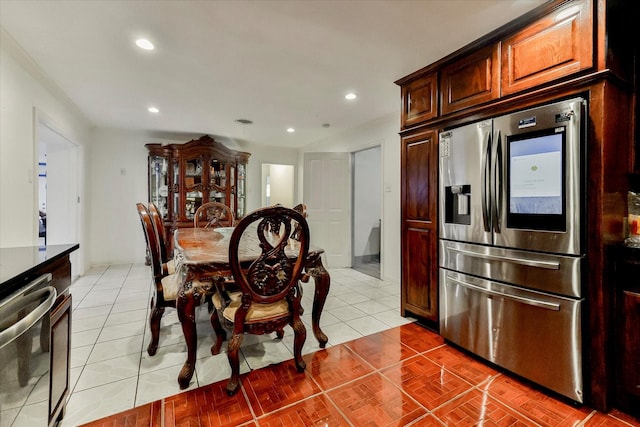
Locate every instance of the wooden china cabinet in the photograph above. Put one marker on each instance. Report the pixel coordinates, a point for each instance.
(184, 176)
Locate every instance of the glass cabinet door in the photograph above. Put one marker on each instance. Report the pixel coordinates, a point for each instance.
(158, 183)
(240, 189)
(177, 182)
(218, 181)
(192, 186)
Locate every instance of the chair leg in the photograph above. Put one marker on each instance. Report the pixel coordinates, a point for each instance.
(280, 333)
(221, 335)
(300, 336)
(154, 324)
(232, 354)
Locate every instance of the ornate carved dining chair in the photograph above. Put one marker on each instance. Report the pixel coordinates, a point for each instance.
(166, 285)
(162, 238)
(269, 296)
(302, 209)
(214, 214)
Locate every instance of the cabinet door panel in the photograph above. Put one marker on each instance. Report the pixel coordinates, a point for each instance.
(631, 343)
(419, 100)
(419, 179)
(555, 46)
(60, 357)
(472, 80)
(420, 284)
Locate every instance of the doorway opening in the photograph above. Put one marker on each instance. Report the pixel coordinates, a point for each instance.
(277, 185)
(42, 195)
(57, 187)
(367, 211)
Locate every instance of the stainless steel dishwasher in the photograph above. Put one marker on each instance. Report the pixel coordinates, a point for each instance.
(25, 336)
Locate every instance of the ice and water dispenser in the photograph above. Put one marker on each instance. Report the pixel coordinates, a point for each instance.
(457, 207)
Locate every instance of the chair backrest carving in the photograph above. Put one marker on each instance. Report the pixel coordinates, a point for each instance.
(213, 214)
(277, 270)
(302, 209)
(151, 238)
(160, 230)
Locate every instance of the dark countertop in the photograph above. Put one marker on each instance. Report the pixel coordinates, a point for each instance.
(17, 263)
(628, 252)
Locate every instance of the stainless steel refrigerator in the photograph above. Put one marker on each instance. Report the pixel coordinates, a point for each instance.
(512, 238)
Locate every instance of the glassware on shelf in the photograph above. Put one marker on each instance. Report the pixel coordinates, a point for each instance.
(633, 220)
(158, 183)
(201, 166)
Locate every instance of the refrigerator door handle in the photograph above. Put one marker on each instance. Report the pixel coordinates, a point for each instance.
(549, 265)
(486, 184)
(496, 202)
(522, 300)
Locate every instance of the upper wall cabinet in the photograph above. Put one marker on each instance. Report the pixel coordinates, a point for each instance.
(471, 80)
(549, 44)
(557, 45)
(419, 100)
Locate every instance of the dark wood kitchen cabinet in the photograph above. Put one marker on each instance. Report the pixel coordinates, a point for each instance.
(549, 44)
(419, 225)
(557, 45)
(419, 100)
(473, 79)
(60, 356)
(22, 265)
(627, 280)
(60, 321)
(558, 50)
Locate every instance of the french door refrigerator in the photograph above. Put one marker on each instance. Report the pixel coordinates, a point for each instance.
(512, 241)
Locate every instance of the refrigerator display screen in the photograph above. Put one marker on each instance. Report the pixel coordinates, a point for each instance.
(536, 180)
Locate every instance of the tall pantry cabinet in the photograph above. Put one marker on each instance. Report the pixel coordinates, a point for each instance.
(419, 189)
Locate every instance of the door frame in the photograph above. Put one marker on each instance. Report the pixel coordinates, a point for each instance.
(45, 127)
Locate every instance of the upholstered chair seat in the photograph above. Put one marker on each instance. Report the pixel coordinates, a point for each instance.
(257, 312)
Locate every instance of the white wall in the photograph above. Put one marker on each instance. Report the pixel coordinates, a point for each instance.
(25, 94)
(383, 132)
(117, 181)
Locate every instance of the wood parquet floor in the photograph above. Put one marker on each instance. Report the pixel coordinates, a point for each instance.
(405, 376)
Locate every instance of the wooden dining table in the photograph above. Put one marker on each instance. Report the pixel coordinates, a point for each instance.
(202, 258)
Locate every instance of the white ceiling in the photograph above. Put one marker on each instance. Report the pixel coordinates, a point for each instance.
(278, 63)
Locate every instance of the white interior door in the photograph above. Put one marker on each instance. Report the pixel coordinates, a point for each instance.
(327, 194)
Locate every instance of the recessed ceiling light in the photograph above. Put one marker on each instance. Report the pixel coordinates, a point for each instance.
(291, 130)
(153, 110)
(144, 44)
(350, 96)
(243, 121)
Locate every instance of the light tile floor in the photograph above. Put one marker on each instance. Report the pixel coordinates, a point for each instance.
(112, 372)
